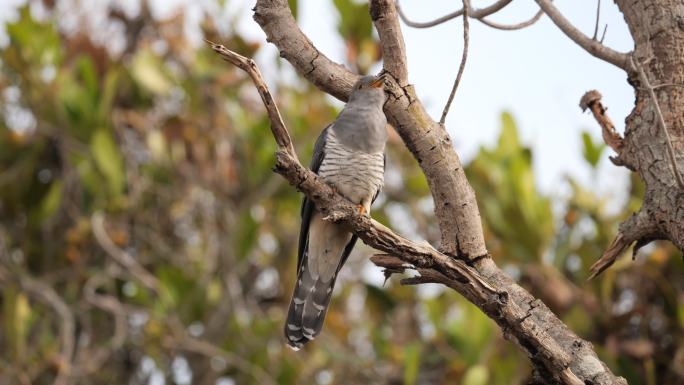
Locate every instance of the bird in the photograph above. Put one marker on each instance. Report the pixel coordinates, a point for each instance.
(349, 155)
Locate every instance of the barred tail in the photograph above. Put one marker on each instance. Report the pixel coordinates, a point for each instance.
(307, 310)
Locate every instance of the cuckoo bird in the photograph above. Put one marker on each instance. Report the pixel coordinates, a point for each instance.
(350, 156)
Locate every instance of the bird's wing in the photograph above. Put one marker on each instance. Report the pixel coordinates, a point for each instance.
(308, 207)
(312, 290)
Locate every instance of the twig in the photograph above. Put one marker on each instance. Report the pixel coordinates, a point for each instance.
(122, 257)
(464, 58)
(595, 48)
(476, 13)
(280, 133)
(180, 340)
(640, 228)
(592, 100)
(93, 360)
(661, 122)
(616, 248)
(598, 18)
(512, 27)
(49, 296)
(603, 35)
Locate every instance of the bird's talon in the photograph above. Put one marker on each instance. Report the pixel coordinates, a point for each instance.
(362, 209)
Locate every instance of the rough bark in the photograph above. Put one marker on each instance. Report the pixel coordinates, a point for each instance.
(558, 354)
(657, 27)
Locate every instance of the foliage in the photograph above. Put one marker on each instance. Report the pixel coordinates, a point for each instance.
(159, 153)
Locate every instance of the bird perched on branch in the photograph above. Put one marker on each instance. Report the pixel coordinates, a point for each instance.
(349, 155)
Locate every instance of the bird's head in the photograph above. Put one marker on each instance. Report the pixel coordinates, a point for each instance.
(369, 89)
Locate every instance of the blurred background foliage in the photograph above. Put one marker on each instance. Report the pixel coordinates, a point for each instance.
(145, 240)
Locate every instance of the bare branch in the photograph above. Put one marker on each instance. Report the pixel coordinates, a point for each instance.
(181, 341)
(616, 248)
(383, 14)
(595, 48)
(513, 27)
(661, 122)
(638, 228)
(92, 360)
(598, 18)
(464, 58)
(281, 29)
(49, 296)
(603, 35)
(592, 100)
(474, 13)
(120, 256)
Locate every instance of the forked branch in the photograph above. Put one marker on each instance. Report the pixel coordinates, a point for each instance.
(590, 45)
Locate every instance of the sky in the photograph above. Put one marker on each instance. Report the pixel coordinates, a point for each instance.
(538, 74)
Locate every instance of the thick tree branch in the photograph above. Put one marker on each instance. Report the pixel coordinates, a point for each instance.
(595, 48)
(281, 29)
(384, 15)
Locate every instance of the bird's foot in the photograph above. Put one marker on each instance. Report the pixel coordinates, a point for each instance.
(362, 209)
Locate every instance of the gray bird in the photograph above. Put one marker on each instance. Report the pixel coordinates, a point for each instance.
(349, 155)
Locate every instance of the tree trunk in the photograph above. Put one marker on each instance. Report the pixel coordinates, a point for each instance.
(657, 27)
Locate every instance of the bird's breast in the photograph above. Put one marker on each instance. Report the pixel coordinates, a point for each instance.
(357, 175)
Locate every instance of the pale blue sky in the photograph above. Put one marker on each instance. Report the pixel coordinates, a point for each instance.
(538, 74)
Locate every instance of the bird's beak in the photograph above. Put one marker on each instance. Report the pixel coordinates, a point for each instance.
(379, 82)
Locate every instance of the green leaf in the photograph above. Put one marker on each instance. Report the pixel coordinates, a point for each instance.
(51, 200)
(17, 312)
(411, 363)
(147, 70)
(108, 159)
(354, 22)
(294, 5)
(476, 375)
(508, 141)
(591, 151)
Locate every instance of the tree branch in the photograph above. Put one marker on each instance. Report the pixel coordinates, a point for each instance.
(592, 100)
(464, 58)
(281, 29)
(120, 256)
(384, 15)
(512, 27)
(520, 325)
(49, 296)
(595, 48)
(638, 228)
(474, 13)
